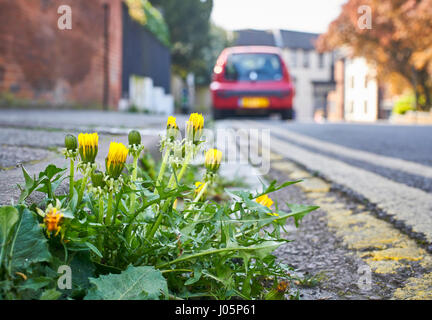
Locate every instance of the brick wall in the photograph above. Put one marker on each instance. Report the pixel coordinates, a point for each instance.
(38, 61)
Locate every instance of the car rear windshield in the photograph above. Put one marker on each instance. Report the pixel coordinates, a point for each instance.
(253, 67)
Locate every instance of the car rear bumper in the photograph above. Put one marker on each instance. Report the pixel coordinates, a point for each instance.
(230, 99)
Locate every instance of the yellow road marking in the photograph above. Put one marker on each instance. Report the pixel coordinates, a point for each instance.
(385, 249)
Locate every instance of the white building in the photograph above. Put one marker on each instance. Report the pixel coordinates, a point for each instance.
(361, 98)
(311, 71)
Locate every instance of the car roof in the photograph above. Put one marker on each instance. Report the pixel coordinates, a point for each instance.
(252, 49)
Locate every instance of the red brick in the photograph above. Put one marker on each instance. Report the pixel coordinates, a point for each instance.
(40, 58)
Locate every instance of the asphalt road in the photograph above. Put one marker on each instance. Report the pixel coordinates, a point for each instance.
(389, 166)
(366, 220)
(412, 143)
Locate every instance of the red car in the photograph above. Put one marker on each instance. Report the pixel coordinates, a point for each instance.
(251, 80)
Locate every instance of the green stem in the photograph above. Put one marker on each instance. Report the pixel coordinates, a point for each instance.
(182, 171)
(11, 249)
(200, 194)
(134, 177)
(163, 165)
(197, 199)
(71, 178)
(170, 185)
(132, 198)
(100, 220)
(109, 209)
(155, 226)
(83, 184)
(101, 209)
(176, 270)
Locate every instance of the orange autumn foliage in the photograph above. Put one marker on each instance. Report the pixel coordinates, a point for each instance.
(399, 42)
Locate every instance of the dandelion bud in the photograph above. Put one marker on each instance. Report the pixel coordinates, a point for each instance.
(71, 142)
(194, 127)
(134, 138)
(116, 159)
(88, 146)
(171, 123)
(213, 158)
(97, 179)
(172, 128)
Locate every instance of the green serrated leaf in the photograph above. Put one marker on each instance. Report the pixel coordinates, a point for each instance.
(8, 218)
(135, 283)
(300, 211)
(36, 283)
(51, 294)
(259, 250)
(50, 171)
(94, 249)
(82, 269)
(30, 245)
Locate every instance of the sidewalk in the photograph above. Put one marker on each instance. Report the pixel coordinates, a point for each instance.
(34, 138)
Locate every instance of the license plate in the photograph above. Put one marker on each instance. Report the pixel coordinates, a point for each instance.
(254, 102)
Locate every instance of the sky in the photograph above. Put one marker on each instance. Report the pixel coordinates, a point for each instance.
(299, 15)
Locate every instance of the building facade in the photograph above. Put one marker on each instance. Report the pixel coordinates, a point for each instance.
(85, 65)
(358, 95)
(361, 98)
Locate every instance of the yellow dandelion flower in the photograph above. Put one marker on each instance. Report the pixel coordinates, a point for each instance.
(266, 201)
(198, 186)
(52, 219)
(282, 286)
(171, 123)
(116, 159)
(88, 146)
(213, 158)
(194, 126)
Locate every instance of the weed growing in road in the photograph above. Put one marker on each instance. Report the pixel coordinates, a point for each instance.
(129, 232)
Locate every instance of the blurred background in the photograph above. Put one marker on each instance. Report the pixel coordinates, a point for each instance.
(157, 56)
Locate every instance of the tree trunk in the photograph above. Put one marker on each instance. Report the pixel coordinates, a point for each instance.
(414, 82)
(426, 88)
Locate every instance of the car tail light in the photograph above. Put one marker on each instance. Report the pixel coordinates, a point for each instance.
(218, 72)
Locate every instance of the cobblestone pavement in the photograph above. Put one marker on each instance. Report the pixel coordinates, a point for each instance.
(366, 224)
(35, 138)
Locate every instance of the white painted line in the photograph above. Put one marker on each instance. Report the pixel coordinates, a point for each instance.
(410, 205)
(388, 162)
(235, 163)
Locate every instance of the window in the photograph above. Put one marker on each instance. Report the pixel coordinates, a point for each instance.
(352, 82)
(351, 107)
(294, 58)
(365, 106)
(366, 82)
(253, 67)
(305, 59)
(321, 60)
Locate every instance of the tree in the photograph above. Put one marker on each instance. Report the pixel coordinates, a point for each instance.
(399, 42)
(218, 40)
(189, 26)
